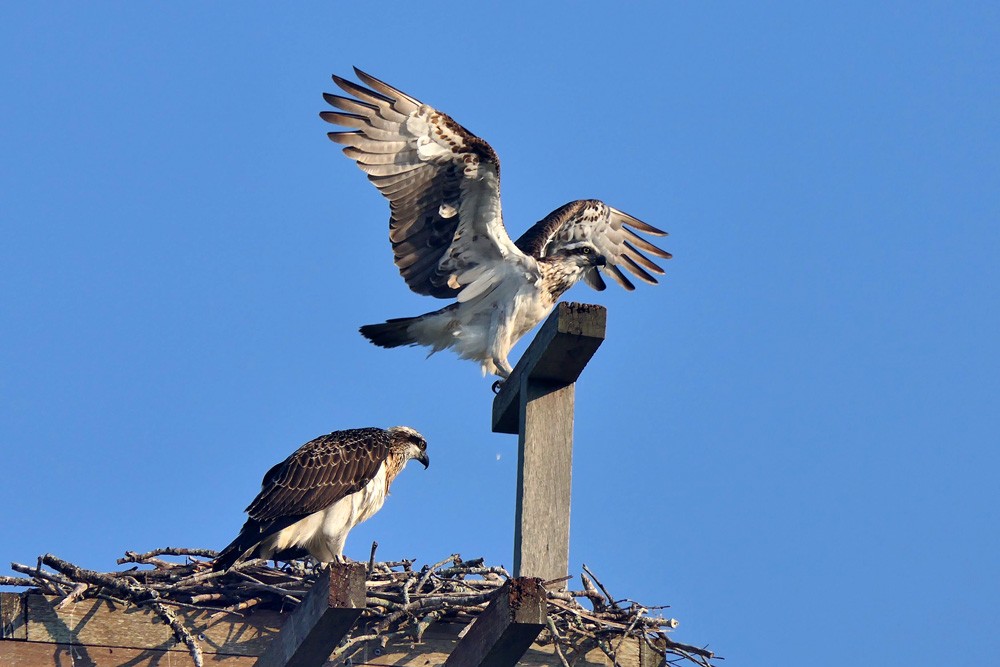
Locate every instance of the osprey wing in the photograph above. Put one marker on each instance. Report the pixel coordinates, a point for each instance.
(442, 183)
(320, 473)
(611, 231)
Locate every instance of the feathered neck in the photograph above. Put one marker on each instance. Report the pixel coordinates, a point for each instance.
(559, 274)
(394, 464)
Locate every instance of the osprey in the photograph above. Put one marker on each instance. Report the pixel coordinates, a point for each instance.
(448, 236)
(312, 499)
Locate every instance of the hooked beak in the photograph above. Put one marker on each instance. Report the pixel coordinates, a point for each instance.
(600, 260)
(423, 458)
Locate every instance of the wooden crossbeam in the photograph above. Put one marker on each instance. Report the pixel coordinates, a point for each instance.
(536, 402)
(505, 629)
(558, 354)
(323, 618)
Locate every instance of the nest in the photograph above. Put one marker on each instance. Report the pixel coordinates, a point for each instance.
(402, 601)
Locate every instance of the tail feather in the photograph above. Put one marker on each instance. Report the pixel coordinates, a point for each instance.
(393, 333)
(228, 556)
(248, 541)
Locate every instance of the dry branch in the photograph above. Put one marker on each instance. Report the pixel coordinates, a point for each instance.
(401, 602)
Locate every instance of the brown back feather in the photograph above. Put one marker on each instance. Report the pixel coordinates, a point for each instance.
(319, 473)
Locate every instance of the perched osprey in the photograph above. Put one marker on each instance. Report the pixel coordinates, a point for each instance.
(448, 236)
(312, 499)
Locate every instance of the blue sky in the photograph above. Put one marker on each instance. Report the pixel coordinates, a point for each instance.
(792, 440)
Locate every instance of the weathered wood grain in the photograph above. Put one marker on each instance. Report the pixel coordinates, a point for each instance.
(505, 629)
(438, 643)
(39, 654)
(12, 625)
(544, 481)
(441, 639)
(102, 623)
(324, 617)
(558, 354)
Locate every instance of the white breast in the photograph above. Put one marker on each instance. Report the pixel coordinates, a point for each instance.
(323, 534)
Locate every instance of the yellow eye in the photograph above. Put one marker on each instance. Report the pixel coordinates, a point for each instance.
(586, 251)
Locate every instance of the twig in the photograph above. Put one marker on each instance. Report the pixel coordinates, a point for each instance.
(353, 641)
(423, 624)
(592, 593)
(430, 570)
(371, 559)
(47, 580)
(133, 557)
(73, 596)
(180, 632)
(16, 581)
(556, 640)
(629, 631)
(597, 581)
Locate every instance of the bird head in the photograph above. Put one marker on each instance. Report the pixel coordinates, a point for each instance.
(571, 262)
(410, 443)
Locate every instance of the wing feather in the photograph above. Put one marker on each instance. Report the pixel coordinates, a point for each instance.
(383, 104)
(397, 157)
(406, 103)
(619, 277)
(638, 257)
(369, 111)
(442, 183)
(387, 183)
(356, 121)
(608, 229)
(357, 141)
(387, 169)
(631, 221)
(318, 474)
(637, 270)
(646, 245)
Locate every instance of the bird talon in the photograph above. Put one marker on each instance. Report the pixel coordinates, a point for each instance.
(497, 386)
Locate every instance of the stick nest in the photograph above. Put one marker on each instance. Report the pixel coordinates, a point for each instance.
(402, 600)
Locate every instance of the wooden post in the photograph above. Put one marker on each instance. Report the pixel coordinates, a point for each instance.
(536, 403)
(505, 629)
(323, 618)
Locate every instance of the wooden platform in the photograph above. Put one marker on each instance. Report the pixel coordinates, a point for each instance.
(98, 633)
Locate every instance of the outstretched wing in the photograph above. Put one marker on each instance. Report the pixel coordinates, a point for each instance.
(442, 183)
(318, 474)
(609, 230)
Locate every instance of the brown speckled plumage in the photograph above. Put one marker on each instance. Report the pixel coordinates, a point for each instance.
(448, 236)
(319, 474)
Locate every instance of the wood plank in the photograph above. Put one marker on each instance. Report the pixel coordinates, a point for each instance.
(558, 354)
(438, 643)
(441, 638)
(647, 657)
(12, 625)
(103, 623)
(38, 654)
(321, 621)
(505, 629)
(544, 481)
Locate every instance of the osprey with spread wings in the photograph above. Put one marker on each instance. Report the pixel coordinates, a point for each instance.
(448, 236)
